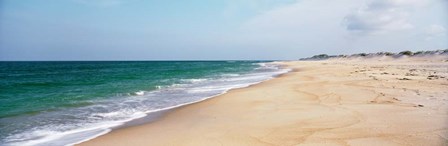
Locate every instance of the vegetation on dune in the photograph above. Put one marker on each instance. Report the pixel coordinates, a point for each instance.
(403, 53)
(388, 53)
(321, 56)
(419, 53)
(408, 53)
(362, 54)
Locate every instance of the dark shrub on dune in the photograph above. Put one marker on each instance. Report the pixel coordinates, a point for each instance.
(408, 53)
(388, 54)
(383, 54)
(320, 57)
(419, 53)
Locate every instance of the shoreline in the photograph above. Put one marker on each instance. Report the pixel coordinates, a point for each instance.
(153, 116)
(164, 112)
(284, 116)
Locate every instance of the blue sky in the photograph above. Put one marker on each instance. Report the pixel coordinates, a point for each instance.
(216, 30)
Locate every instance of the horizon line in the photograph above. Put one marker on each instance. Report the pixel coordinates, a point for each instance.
(139, 60)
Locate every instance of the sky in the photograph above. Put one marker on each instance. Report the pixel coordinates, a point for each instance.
(216, 29)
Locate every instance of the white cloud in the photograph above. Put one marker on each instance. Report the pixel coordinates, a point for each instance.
(314, 25)
(382, 16)
(434, 31)
(305, 24)
(301, 16)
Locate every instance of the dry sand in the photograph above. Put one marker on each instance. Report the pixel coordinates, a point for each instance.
(379, 101)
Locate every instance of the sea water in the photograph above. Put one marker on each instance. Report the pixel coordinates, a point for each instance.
(64, 103)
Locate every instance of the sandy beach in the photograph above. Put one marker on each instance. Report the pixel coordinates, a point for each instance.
(377, 101)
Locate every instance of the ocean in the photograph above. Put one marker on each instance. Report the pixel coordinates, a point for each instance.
(64, 103)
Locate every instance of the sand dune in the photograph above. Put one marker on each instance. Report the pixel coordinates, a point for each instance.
(334, 102)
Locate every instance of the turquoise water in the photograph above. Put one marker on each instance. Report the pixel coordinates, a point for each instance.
(57, 103)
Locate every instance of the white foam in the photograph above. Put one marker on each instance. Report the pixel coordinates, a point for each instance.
(76, 135)
(194, 80)
(140, 93)
(231, 75)
(216, 88)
